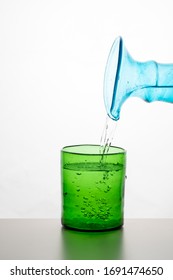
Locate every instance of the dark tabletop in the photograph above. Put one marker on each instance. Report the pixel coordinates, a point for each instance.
(46, 239)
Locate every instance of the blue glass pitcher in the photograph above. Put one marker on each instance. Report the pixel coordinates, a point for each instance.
(125, 77)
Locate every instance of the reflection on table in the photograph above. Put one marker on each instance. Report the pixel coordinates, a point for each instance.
(92, 245)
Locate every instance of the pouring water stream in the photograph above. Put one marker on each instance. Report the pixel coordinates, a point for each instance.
(124, 78)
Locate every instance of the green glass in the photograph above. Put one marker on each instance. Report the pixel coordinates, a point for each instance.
(92, 187)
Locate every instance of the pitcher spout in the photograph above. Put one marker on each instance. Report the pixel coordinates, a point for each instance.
(125, 77)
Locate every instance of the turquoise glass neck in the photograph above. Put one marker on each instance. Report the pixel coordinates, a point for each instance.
(125, 77)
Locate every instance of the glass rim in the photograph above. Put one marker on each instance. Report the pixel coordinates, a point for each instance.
(121, 150)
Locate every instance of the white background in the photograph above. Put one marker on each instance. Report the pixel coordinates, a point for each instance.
(52, 60)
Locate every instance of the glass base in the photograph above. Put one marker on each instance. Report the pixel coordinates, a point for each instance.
(92, 227)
